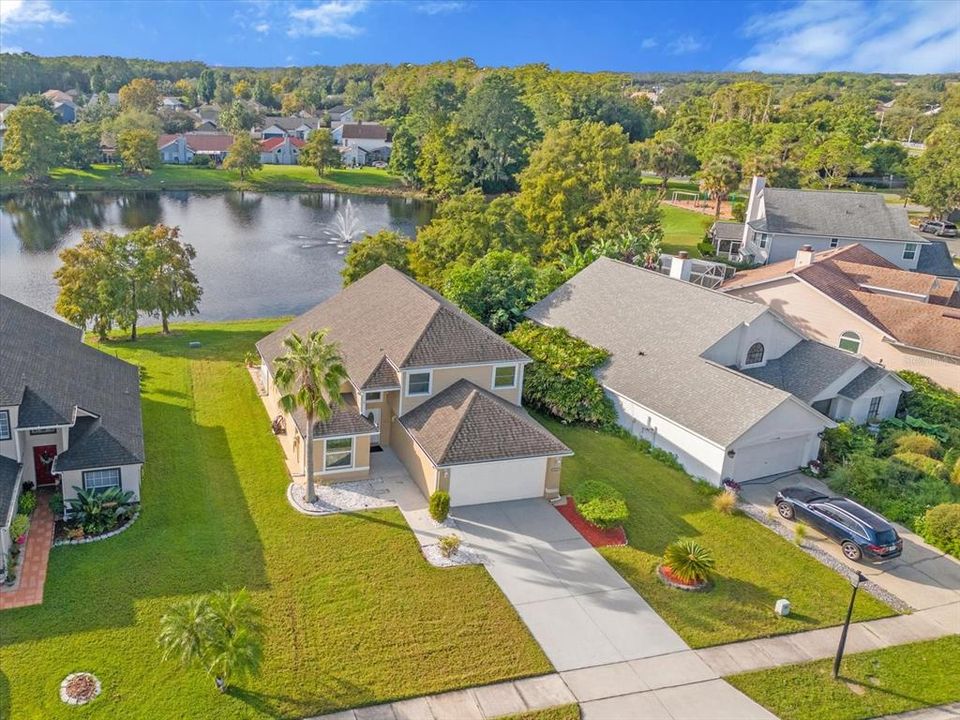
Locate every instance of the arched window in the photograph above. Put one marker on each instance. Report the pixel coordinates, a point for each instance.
(850, 342)
(755, 354)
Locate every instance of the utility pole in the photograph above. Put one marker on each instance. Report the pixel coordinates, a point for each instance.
(846, 626)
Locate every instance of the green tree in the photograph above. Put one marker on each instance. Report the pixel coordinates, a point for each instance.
(403, 154)
(79, 144)
(443, 164)
(206, 85)
(138, 149)
(134, 120)
(501, 129)
(221, 633)
(82, 298)
(176, 122)
(238, 118)
(319, 152)
(244, 155)
(171, 286)
(309, 375)
(720, 177)
(140, 94)
(496, 289)
(385, 246)
(31, 144)
(666, 158)
(935, 175)
(887, 158)
(833, 160)
(262, 92)
(98, 83)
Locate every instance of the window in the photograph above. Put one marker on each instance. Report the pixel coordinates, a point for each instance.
(5, 425)
(338, 454)
(850, 342)
(755, 354)
(834, 242)
(374, 396)
(874, 407)
(418, 383)
(762, 240)
(505, 376)
(909, 251)
(101, 479)
(43, 431)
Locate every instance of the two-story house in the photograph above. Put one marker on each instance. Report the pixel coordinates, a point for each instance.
(278, 126)
(727, 385)
(362, 143)
(426, 380)
(69, 414)
(283, 150)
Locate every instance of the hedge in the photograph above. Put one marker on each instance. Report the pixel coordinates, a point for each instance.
(601, 504)
(940, 526)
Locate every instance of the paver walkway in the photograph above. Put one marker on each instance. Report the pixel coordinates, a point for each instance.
(33, 568)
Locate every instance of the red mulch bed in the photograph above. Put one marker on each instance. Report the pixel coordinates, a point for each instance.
(591, 533)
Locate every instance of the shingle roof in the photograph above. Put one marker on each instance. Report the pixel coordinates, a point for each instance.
(364, 131)
(835, 214)
(271, 144)
(863, 382)
(47, 369)
(386, 314)
(346, 420)
(291, 122)
(935, 260)
(9, 479)
(656, 329)
(806, 369)
(727, 230)
(466, 424)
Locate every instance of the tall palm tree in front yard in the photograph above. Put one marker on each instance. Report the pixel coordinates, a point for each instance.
(720, 177)
(310, 375)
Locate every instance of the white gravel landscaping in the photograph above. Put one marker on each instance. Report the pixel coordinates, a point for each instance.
(465, 555)
(341, 497)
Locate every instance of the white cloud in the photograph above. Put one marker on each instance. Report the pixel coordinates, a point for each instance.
(12, 49)
(648, 43)
(332, 18)
(30, 12)
(262, 27)
(684, 45)
(877, 36)
(439, 7)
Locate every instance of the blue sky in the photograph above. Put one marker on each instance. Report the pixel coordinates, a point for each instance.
(782, 36)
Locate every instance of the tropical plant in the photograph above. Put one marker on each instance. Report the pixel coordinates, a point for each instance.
(220, 633)
(19, 526)
(98, 511)
(725, 502)
(601, 504)
(309, 376)
(439, 505)
(689, 561)
(27, 503)
(720, 177)
(57, 505)
(449, 544)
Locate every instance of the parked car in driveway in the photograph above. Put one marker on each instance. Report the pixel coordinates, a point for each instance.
(862, 533)
(939, 228)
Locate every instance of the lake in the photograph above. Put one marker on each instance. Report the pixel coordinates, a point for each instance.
(258, 254)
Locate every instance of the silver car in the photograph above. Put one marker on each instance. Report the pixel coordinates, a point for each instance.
(939, 228)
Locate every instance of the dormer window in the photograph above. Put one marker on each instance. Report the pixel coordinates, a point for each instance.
(834, 242)
(850, 341)
(909, 251)
(755, 354)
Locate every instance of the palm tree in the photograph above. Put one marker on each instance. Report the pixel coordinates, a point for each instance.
(310, 375)
(720, 177)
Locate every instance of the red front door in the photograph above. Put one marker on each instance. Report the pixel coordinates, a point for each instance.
(43, 456)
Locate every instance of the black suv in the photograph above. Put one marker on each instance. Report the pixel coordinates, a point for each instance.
(860, 532)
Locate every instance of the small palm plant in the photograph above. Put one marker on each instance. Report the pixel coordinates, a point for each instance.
(219, 632)
(99, 510)
(310, 375)
(689, 561)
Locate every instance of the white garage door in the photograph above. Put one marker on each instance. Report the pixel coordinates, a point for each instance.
(496, 481)
(770, 458)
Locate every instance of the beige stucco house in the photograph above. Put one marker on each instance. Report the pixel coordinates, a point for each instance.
(439, 389)
(856, 300)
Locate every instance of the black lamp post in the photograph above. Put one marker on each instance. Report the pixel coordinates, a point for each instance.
(846, 626)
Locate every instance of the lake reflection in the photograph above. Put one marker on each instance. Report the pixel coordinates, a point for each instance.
(258, 254)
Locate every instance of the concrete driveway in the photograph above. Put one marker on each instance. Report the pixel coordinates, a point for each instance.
(580, 610)
(923, 577)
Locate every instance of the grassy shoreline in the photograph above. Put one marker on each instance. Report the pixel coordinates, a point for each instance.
(270, 178)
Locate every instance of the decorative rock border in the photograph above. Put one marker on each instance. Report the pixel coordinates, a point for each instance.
(69, 699)
(670, 582)
(298, 501)
(465, 555)
(104, 536)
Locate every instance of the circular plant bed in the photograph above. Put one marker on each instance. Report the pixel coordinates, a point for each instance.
(668, 578)
(79, 688)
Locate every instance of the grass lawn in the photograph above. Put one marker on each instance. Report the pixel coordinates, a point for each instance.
(185, 177)
(353, 613)
(871, 684)
(683, 229)
(755, 566)
(561, 712)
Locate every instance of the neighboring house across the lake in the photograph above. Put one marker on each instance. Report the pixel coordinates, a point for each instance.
(780, 221)
(69, 414)
(64, 105)
(113, 99)
(281, 150)
(362, 143)
(340, 114)
(169, 102)
(181, 148)
(206, 116)
(726, 384)
(429, 382)
(292, 126)
(854, 299)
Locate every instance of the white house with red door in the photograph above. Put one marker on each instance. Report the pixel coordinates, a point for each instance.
(69, 413)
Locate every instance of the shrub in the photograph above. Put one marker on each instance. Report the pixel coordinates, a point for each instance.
(560, 381)
(955, 473)
(27, 503)
(600, 504)
(667, 458)
(940, 526)
(689, 561)
(57, 505)
(705, 488)
(922, 463)
(251, 359)
(202, 160)
(449, 544)
(439, 505)
(705, 248)
(844, 441)
(725, 502)
(19, 526)
(931, 402)
(914, 442)
(799, 533)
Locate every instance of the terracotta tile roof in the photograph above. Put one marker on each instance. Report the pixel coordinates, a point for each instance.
(200, 141)
(271, 144)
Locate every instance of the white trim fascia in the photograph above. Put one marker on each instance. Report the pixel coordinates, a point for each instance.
(920, 240)
(342, 437)
(896, 343)
(892, 291)
(421, 368)
(569, 453)
(352, 468)
(762, 281)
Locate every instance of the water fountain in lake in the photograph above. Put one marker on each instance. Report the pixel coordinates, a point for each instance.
(346, 227)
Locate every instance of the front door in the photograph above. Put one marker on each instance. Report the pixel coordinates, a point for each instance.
(43, 456)
(373, 415)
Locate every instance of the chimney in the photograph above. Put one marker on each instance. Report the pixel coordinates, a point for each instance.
(804, 256)
(753, 203)
(680, 266)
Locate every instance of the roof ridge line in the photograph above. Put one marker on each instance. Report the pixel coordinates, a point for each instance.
(471, 399)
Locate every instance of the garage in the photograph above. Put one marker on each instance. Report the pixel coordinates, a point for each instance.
(770, 458)
(495, 481)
